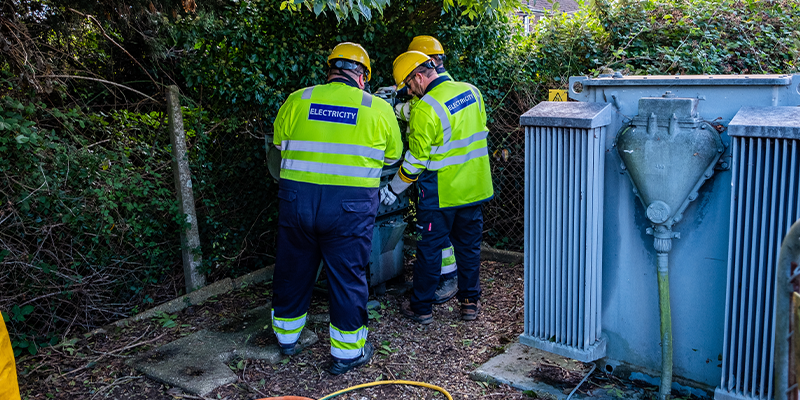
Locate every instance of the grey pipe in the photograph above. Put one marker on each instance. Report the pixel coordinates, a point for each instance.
(663, 244)
(582, 380)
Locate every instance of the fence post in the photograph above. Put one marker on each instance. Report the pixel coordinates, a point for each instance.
(190, 238)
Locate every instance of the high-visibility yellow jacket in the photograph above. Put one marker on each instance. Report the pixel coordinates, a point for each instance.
(442, 73)
(9, 389)
(335, 134)
(448, 153)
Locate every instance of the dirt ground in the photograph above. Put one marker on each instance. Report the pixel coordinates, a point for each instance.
(443, 353)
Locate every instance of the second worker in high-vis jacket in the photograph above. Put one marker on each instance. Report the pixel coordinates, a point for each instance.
(449, 160)
(448, 280)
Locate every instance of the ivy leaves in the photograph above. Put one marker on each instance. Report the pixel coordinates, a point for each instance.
(362, 9)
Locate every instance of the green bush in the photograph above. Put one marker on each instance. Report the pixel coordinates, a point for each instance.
(88, 216)
(702, 36)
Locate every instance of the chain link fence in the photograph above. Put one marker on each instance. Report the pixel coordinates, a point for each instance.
(235, 197)
(504, 218)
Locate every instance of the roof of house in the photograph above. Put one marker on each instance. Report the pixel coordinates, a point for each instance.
(567, 6)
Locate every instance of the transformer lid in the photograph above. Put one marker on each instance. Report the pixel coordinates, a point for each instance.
(565, 114)
(766, 122)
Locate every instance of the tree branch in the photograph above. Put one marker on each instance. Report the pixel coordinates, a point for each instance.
(99, 80)
(103, 32)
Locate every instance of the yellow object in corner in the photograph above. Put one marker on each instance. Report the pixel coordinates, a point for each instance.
(9, 389)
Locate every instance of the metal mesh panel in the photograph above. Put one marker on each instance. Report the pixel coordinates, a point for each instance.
(765, 192)
(564, 231)
(504, 214)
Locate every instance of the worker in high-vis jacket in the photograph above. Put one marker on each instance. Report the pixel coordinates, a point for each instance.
(448, 278)
(449, 160)
(334, 140)
(9, 389)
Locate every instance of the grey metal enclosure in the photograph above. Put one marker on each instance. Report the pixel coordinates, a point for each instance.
(591, 283)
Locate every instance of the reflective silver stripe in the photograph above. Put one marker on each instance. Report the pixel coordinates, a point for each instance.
(457, 144)
(346, 354)
(307, 93)
(333, 148)
(409, 162)
(330, 169)
(477, 94)
(366, 100)
(348, 337)
(279, 146)
(410, 168)
(455, 160)
(390, 161)
(288, 338)
(446, 269)
(441, 113)
(448, 252)
(410, 158)
(288, 325)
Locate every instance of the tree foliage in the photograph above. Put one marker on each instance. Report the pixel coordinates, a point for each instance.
(702, 36)
(363, 9)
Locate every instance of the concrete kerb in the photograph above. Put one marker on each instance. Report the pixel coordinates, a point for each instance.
(490, 254)
(264, 274)
(198, 296)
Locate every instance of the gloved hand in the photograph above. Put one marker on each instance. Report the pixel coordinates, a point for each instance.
(403, 111)
(387, 196)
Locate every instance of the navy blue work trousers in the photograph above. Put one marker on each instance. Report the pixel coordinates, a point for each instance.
(464, 228)
(330, 223)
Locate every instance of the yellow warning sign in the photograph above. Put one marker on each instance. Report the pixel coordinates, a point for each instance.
(557, 95)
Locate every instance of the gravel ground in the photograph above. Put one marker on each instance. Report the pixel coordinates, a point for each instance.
(443, 353)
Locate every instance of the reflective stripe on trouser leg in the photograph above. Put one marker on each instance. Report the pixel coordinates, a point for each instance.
(428, 266)
(288, 329)
(346, 345)
(466, 235)
(448, 260)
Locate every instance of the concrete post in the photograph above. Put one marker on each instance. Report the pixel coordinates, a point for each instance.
(190, 238)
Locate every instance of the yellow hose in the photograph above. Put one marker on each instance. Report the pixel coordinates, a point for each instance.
(366, 385)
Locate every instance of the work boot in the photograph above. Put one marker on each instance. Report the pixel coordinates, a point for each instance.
(406, 310)
(340, 367)
(446, 290)
(288, 349)
(469, 310)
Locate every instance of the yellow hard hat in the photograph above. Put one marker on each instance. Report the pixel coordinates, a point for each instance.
(426, 44)
(405, 63)
(353, 52)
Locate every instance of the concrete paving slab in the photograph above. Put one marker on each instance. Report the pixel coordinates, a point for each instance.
(198, 363)
(514, 368)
